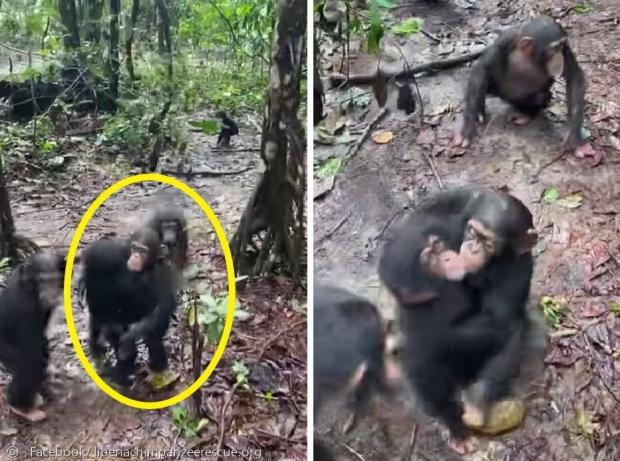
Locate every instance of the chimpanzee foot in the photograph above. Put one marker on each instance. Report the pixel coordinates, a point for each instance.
(519, 119)
(33, 415)
(463, 446)
(473, 416)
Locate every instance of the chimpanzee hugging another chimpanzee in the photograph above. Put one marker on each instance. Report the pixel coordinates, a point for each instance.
(460, 268)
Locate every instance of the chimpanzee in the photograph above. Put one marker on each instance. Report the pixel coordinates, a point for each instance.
(520, 68)
(23, 104)
(229, 129)
(171, 226)
(26, 305)
(470, 332)
(131, 296)
(348, 350)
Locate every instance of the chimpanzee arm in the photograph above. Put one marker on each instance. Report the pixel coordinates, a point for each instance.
(575, 93)
(475, 95)
(156, 323)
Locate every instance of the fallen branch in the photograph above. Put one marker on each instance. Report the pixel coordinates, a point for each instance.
(340, 80)
(243, 149)
(210, 173)
(355, 147)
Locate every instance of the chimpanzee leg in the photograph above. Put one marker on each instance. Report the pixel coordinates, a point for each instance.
(126, 354)
(97, 349)
(494, 380)
(437, 386)
(158, 360)
(532, 105)
(28, 375)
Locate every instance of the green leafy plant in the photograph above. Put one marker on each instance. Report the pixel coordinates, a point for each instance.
(185, 423)
(615, 308)
(408, 27)
(330, 168)
(554, 310)
(212, 315)
(241, 372)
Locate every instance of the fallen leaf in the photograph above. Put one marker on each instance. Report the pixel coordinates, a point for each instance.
(599, 254)
(571, 201)
(593, 310)
(163, 379)
(584, 422)
(382, 137)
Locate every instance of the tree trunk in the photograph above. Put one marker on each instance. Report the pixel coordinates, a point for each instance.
(7, 226)
(135, 11)
(271, 231)
(155, 126)
(69, 19)
(114, 62)
(94, 15)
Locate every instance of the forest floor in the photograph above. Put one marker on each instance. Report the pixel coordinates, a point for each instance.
(576, 413)
(266, 420)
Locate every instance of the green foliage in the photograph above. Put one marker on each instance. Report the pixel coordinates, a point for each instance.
(330, 168)
(408, 27)
(582, 8)
(212, 315)
(554, 310)
(241, 372)
(615, 308)
(551, 194)
(185, 423)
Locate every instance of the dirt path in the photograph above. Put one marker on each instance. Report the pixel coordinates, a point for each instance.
(267, 419)
(578, 416)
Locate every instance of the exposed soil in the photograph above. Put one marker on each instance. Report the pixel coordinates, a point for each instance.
(576, 413)
(267, 420)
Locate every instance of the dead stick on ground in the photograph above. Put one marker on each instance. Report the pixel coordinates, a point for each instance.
(220, 440)
(355, 147)
(412, 442)
(338, 80)
(354, 452)
(431, 163)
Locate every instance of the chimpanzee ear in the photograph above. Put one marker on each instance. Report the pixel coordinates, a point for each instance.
(526, 46)
(528, 241)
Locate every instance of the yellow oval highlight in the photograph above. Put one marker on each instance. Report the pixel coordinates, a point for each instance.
(230, 309)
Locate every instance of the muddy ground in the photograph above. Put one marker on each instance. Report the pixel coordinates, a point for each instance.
(575, 414)
(267, 419)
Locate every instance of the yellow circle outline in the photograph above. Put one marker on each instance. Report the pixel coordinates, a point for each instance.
(230, 309)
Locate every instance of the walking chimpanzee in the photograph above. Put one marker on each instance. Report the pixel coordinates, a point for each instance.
(32, 292)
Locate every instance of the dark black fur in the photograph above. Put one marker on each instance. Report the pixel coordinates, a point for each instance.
(228, 130)
(171, 226)
(471, 331)
(127, 306)
(24, 317)
(347, 334)
(494, 75)
(20, 96)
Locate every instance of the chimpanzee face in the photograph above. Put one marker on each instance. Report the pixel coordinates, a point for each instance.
(45, 274)
(479, 245)
(170, 231)
(144, 250)
(438, 260)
